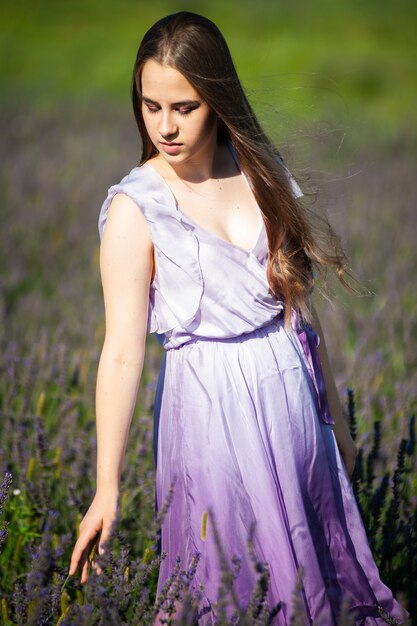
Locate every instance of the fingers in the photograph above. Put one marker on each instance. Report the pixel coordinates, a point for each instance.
(84, 554)
(105, 534)
(80, 555)
(85, 549)
(77, 555)
(84, 571)
(87, 559)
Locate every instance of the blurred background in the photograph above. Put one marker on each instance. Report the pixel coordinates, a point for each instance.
(335, 85)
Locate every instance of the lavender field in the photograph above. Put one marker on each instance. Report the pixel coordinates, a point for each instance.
(57, 167)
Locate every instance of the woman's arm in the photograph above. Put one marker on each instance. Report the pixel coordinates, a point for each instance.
(126, 264)
(344, 439)
(126, 268)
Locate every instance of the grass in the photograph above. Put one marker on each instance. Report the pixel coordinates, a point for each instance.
(349, 63)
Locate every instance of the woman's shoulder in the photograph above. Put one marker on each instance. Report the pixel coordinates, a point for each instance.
(143, 185)
(137, 180)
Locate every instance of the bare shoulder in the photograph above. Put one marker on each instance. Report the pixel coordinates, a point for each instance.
(126, 267)
(125, 221)
(126, 247)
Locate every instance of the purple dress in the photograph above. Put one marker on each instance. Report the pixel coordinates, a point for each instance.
(244, 434)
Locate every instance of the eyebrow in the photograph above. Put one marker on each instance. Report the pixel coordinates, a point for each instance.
(182, 103)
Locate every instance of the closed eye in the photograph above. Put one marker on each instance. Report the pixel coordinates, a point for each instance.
(186, 111)
(182, 110)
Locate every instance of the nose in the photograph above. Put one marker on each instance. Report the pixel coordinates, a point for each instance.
(167, 124)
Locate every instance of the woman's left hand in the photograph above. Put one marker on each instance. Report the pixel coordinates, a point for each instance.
(346, 445)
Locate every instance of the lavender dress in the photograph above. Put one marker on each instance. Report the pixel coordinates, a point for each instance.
(244, 432)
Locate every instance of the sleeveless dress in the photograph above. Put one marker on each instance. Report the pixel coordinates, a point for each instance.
(243, 435)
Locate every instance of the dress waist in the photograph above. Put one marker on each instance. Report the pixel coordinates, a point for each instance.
(271, 325)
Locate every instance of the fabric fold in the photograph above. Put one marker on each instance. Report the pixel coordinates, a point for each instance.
(176, 250)
(310, 342)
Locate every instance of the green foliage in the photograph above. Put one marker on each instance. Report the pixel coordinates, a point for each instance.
(36, 549)
(387, 502)
(345, 63)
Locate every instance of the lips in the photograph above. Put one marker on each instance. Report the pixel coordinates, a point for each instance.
(170, 147)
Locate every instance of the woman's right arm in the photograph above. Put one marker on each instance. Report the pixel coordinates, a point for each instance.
(126, 266)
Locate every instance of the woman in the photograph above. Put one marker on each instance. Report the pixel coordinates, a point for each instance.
(218, 262)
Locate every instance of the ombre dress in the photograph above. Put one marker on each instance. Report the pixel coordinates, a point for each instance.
(243, 434)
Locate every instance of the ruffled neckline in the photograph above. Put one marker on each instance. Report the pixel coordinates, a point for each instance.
(186, 218)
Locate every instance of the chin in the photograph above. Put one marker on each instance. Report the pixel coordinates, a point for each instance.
(173, 158)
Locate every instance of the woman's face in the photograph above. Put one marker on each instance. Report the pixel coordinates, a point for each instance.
(180, 124)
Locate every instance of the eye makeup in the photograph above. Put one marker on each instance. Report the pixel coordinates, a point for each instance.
(183, 107)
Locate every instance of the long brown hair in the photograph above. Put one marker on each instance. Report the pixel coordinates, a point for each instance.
(297, 240)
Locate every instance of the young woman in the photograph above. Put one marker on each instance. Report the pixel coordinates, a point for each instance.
(207, 244)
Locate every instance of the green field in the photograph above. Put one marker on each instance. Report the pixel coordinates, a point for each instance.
(347, 63)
